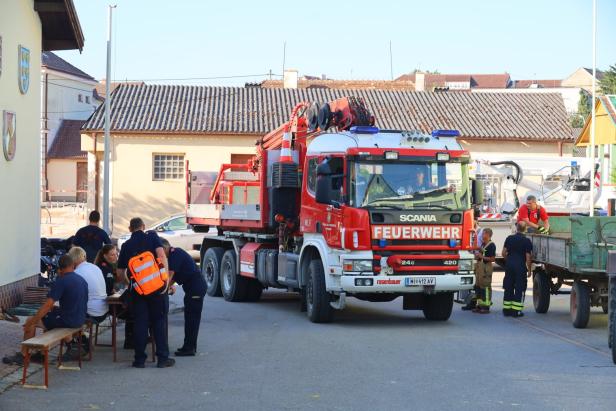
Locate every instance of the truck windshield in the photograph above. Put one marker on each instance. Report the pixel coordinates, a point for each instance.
(409, 185)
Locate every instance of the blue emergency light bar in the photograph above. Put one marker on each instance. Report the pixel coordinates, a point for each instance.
(364, 129)
(445, 133)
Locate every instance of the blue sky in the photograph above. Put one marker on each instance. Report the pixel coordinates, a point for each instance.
(158, 39)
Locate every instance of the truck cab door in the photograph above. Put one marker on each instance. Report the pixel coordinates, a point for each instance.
(324, 216)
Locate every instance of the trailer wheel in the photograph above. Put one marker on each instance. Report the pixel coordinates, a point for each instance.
(232, 284)
(210, 269)
(541, 292)
(254, 289)
(437, 307)
(579, 304)
(317, 299)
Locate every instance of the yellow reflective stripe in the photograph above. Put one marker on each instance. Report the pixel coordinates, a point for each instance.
(507, 304)
(517, 306)
(143, 266)
(148, 278)
(487, 302)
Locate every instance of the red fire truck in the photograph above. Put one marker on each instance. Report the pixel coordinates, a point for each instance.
(332, 207)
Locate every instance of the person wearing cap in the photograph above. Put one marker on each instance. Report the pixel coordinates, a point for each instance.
(184, 272)
(70, 290)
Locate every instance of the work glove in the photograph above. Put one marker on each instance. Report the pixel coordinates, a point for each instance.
(543, 230)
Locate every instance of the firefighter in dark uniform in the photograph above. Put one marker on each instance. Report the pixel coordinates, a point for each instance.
(517, 252)
(149, 310)
(184, 272)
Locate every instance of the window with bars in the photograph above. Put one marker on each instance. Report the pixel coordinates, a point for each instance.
(167, 166)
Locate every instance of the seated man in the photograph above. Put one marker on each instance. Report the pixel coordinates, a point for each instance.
(97, 289)
(535, 216)
(72, 292)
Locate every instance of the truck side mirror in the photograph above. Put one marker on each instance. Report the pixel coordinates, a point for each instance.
(323, 191)
(477, 192)
(325, 179)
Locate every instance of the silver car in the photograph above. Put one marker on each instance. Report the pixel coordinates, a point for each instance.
(177, 232)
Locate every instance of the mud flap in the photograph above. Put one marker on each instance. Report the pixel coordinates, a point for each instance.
(413, 301)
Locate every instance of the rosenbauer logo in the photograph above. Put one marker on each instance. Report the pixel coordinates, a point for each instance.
(416, 232)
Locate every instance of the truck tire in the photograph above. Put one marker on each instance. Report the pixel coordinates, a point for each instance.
(541, 292)
(613, 337)
(579, 304)
(254, 289)
(437, 307)
(234, 287)
(210, 269)
(317, 298)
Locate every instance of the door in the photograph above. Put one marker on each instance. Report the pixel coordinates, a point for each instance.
(82, 182)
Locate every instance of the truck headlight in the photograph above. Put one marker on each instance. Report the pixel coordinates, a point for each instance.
(357, 265)
(465, 265)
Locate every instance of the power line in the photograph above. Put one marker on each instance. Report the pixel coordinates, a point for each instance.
(63, 86)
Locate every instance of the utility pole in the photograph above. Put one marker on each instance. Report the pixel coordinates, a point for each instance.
(106, 225)
(391, 62)
(592, 108)
(284, 57)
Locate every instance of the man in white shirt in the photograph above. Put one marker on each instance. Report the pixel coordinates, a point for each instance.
(97, 291)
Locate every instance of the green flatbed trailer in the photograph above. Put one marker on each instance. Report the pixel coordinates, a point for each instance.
(574, 254)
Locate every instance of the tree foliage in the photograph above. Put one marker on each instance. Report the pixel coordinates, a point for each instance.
(583, 111)
(607, 84)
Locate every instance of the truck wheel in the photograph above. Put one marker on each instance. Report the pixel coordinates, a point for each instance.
(437, 307)
(579, 304)
(232, 284)
(210, 269)
(254, 289)
(317, 299)
(541, 292)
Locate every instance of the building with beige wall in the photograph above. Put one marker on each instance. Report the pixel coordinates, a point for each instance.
(156, 129)
(27, 27)
(139, 187)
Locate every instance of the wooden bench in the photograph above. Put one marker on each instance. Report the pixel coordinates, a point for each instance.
(44, 343)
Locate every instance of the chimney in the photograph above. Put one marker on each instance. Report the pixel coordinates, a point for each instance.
(323, 77)
(290, 78)
(420, 81)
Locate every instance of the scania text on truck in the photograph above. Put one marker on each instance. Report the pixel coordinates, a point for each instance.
(332, 207)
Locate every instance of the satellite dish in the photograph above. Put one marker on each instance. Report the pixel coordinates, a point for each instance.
(325, 115)
(312, 116)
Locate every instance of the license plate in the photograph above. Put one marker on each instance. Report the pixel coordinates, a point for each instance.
(413, 281)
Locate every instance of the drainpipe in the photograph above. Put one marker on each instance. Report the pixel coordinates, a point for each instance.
(96, 173)
(45, 138)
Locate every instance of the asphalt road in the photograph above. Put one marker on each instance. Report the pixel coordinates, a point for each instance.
(267, 356)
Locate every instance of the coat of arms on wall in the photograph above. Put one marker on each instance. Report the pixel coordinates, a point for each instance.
(9, 134)
(24, 69)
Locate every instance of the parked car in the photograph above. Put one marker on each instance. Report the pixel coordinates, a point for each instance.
(177, 232)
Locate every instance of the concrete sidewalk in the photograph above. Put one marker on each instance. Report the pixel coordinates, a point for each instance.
(11, 335)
